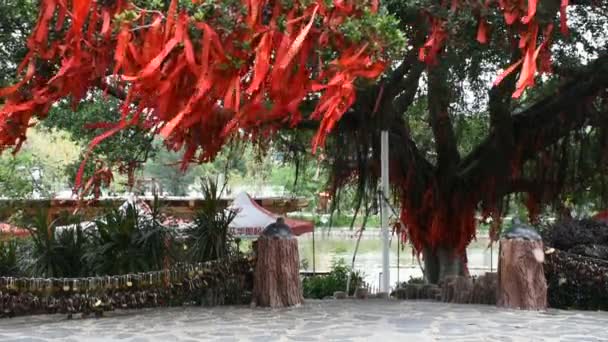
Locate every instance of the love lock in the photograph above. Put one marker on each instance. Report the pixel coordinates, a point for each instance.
(11, 284)
(190, 285)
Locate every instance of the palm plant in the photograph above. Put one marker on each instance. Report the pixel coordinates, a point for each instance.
(209, 238)
(8, 257)
(156, 239)
(73, 245)
(53, 254)
(114, 248)
(128, 242)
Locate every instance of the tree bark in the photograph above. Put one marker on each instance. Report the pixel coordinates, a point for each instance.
(441, 123)
(521, 277)
(277, 276)
(440, 263)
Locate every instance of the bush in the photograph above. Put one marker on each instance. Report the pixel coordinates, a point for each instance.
(50, 253)
(322, 286)
(209, 237)
(8, 258)
(576, 282)
(127, 242)
(412, 281)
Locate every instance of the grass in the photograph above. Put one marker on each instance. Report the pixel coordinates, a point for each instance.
(344, 220)
(339, 220)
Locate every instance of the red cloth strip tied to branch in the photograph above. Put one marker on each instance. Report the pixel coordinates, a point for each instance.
(519, 15)
(197, 75)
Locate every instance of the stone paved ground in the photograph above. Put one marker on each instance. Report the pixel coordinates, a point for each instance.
(348, 320)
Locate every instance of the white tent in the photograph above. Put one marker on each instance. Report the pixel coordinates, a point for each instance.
(251, 218)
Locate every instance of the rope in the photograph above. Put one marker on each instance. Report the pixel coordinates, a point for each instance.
(388, 203)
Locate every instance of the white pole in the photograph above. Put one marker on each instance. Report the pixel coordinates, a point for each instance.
(385, 208)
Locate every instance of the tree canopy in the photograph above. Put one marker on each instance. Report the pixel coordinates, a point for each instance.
(511, 92)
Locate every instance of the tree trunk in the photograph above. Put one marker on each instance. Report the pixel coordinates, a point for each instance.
(442, 262)
(277, 276)
(521, 278)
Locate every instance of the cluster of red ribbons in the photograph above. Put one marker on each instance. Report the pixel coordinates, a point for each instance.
(435, 221)
(192, 80)
(519, 14)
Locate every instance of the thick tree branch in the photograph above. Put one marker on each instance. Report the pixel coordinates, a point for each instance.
(439, 119)
(117, 92)
(410, 68)
(544, 123)
(409, 87)
(500, 102)
(394, 82)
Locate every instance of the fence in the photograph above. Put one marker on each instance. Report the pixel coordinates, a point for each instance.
(576, 282)
(212, 283)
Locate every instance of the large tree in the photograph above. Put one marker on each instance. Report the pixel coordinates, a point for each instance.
(538, 144)
(201, 73)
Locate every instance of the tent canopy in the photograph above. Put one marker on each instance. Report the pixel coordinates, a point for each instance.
(252, 218)
(13, 231)
(601, 216)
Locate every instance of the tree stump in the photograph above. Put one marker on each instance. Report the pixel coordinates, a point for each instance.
(277, 272)
(521, 278)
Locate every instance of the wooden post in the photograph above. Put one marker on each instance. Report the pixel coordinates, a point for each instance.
(277, 276)
(521, 278)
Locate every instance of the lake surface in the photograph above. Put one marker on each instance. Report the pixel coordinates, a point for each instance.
(338, 244)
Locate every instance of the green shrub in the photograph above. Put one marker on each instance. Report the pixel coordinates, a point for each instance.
(322, 286)
(49, 253)
(8, 258)
(127, 242)
(412, 281)
(340, 250)
(209, 237)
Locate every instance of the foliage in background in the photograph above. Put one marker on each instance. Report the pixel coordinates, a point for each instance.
(53, 152)
(16, 20)
(322, 286)
(132, 146)
(44, 152)
(209, 237)
(165, 167)
(15, 178)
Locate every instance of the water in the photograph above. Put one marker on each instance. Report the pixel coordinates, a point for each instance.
(340, 244)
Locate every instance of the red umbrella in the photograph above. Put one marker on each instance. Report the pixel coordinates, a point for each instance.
(13, 231)
(601, 216)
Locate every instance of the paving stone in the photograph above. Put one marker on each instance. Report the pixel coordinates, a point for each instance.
(139, 339)
(344, 320)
